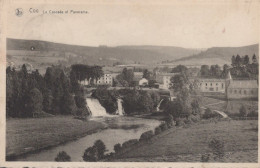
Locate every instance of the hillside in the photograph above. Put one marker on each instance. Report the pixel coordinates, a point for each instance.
(102, 55)
(218, 55)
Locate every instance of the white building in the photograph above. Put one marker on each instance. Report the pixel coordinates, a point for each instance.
(167, 80)
(212, 85)
(107, 79)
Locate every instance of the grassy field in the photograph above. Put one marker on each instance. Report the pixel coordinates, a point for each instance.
(32, 134)
(188, 144)
(232, 106)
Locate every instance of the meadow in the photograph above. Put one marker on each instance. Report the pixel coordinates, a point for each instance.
(188, 144)
(33, 134)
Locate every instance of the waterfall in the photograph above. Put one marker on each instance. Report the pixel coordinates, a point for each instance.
(158, 106)
(120, 110)
(95, 107)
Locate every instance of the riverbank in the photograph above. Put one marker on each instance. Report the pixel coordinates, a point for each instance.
(34, 134)
(188, 144)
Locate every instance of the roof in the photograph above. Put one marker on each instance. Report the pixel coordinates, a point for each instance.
(247, 84)
(211, 80)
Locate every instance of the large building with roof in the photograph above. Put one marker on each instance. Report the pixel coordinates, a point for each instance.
(242, 89)
(232, 89)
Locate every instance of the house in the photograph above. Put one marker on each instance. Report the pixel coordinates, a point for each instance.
(143, 82)
(106, 79)
(239, 89)
(212, 85)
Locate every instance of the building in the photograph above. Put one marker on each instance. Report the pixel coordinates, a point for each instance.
(239, 89)
(231, 89)
(212, 85)
(166, 77)
(107, 79)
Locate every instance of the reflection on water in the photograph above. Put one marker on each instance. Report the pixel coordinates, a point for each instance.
(120, 129)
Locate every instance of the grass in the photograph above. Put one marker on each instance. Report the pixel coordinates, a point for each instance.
(231, 106)
(188, 144)
(32, 134)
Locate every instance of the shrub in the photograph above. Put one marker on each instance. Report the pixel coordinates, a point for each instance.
(242, 111)
(180, 122)
(96, 152)
(163, 126)
(217, 147)
(169, 121)
(157, 130)
(62, 157)
(205, 157)
(194, 118)
(146, 135)
(129, 143)
(209, 114)
(117, 147)
(90, 154)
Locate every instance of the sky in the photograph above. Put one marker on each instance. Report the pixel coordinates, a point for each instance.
(202, 24)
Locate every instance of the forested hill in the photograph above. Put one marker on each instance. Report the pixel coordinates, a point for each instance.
(103, 54)
(219, 55)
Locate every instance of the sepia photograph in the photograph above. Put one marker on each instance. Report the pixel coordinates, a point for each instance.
(130, 81)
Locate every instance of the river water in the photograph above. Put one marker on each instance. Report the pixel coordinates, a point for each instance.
(120, 129)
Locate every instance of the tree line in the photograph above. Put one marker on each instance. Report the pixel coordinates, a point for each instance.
(56, 92)
(240, 68)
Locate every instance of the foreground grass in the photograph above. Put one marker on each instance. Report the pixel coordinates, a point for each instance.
(32, 134)
(188, 144)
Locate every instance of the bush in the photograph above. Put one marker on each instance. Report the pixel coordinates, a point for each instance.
(209, 114)
(180, 122)
(242, 111)
(217, 147)
(205, 157)
(62, 157)
(117, 147)
(146, 135)
(129, 143)
(163, 126)
(96, 152)
(169, 121)
(157, 130)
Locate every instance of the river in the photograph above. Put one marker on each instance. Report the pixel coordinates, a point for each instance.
(120, 129)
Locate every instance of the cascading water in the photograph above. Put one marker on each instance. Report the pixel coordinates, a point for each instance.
(95, 108)
(158, 106)
(120, 110)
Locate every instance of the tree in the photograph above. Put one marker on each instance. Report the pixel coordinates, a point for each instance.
(238, 61)
(215, 71)
(47, 101)
(195, 107)
(146, 74)
(90, 154)
(233, 61)
(117, 147)
(179, 81)
(69, 106)
(101, 148)
(254, 59)
(204, 71)
(246, 60)
(62, 157)
(35, 102)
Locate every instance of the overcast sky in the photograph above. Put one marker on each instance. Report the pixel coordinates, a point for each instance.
(200, 25)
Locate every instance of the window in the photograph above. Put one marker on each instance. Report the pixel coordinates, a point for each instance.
(206, 84)
(239, 91)
(252, 92)
(211, 89)
(230, 91)
(210, 84)
(244, 91)
(235, 91)
(222, 85)
(216, 84)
